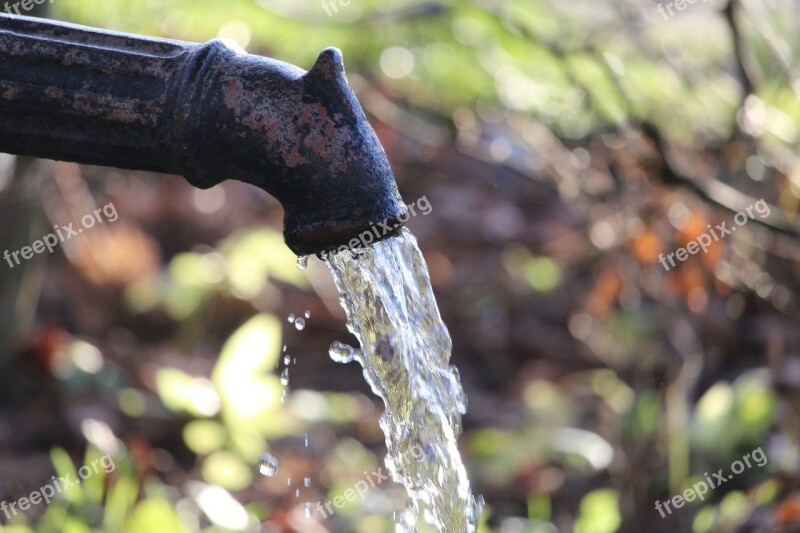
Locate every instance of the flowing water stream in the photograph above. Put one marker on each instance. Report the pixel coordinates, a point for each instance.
(405, 352)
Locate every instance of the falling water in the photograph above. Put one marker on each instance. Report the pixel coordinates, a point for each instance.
(391, 309)
(267, 464)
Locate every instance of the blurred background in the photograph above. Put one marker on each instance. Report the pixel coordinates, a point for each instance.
(563, 146)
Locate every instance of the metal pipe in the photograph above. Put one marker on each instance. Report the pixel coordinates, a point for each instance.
(203, 111)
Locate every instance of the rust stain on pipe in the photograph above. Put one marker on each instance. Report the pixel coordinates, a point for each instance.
(203, 111)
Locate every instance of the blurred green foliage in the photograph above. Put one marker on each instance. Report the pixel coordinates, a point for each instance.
(106, 500)
(582, 435)
(569, 67)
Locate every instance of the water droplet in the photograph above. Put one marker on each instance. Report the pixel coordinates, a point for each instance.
(307, 314)
(307, 481)
(267, 464)
(288, 481)
(341, 352)
(297, 493)
(287, 359)
(290, 318)
(481, 503)
(284, 348)
(283, 396)
(300, 324)
(285, 377)
(302, 262)
(309, 510)
(306, 439)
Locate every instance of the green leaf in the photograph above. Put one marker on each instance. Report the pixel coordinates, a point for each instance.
(542, 274)
(154, 515)
(599, 512)
(93, 485)
(121, 498)
(257, 255)
(243, 372)
(227, 470)
(204, 436)
(66, 469)
(180, 391)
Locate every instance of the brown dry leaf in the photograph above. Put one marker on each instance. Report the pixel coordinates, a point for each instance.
(605, 292)
(646, 246)
(696, 225)
(120, 255)
(788, 511)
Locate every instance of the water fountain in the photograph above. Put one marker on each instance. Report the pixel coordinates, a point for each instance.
(210, 113)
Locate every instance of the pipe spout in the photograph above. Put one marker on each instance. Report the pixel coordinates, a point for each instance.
(204, 111)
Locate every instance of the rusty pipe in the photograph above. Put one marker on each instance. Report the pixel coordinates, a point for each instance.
(204, 111)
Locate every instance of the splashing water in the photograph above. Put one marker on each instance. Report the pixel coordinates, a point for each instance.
(341, 352)
(267, 464)
(391, 309)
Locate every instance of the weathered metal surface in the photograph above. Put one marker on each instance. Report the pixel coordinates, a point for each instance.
(203, 111)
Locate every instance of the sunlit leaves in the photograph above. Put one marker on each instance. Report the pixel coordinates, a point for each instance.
(734, 416)
(204, 436)
(243, 267)
(255, 256)
(243, 372)
(227, 470)
(120, 499)
(66, 470)
(192, 277)
(155, 515)
(599, 512)
(181, 392)
(540, 273)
